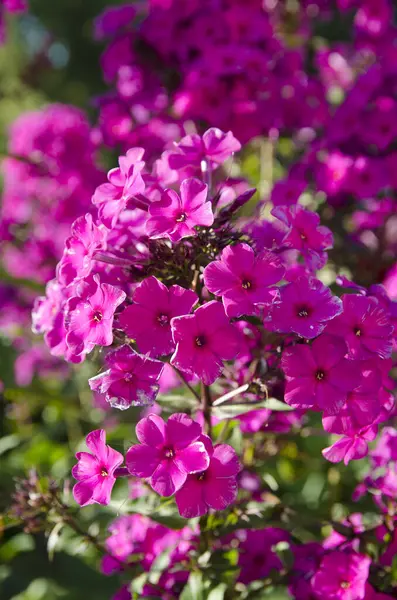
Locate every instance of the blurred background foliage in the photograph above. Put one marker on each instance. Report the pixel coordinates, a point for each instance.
(50, 56)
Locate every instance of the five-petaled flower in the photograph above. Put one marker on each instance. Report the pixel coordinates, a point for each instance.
(89, 316)
(95, 472)
(305, 307)
(131, 379)
(153, 308)
(215, 487)
(175, 216)
(203, 341)
(167, 452)
(244, 281)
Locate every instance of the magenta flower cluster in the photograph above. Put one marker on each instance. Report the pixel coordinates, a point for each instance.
(272, 309)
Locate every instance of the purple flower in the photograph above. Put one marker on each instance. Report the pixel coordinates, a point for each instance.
(80, 247)
(386, 448)
(306, 560)
(286, 192)
(148, 320)
(364, 403)
(341, 576)
(95, 472)
(319, 376)
(243, 279)
(168, 452)
(352, 447)
(203, 341)
(305, 234)
(176, 216)
(215, 487)
(137, 534)
(112, 20)
(89, 317)
(214, 148)
(305, 307)
(257, 557)
(46, 307)
(131, 380)
(364, 326)
(125, 182)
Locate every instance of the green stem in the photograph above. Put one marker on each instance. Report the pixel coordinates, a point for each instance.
(206, 405)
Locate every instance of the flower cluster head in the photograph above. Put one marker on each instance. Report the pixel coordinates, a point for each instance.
(164, 272)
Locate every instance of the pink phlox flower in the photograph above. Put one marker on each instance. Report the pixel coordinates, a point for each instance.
(80, 247)
(214, 487)
(113, 20)
(365, 327)
(319, 376)
(386, 448)
(257, 557)
(175, 216)
(353, 447)
(213, 148)
(305, 234)
(148, 319)
(131, 379)
(351, 541)
(287, 192)
(244, 280)
(95, 472)
(363, 402)
(167, 452)
(15, 6)
(305, 307)
(307, 558)
(341, 576)
(203, 341)
(89, 317)
(126, 534)
(46, 307)
(124, 183)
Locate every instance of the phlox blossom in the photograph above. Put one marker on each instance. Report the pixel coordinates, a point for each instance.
(148, 319)
(214, 147)
(341, 576)
(244, 280)
(203, 341)
(124, 182)
(214, 487)
(175, 216)
(167, 452)
(305, 307)
(131, 379)
(89, 317)
(95, 472)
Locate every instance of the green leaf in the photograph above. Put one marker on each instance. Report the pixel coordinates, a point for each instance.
(217, 593)
(194, 589)
(53, 539)
(229, 411)
(9, 442)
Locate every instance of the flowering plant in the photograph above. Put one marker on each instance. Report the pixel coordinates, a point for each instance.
(222, 322)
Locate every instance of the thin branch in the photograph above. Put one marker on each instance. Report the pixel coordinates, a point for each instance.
(230, 395)
(184, 380)
(206, 404)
